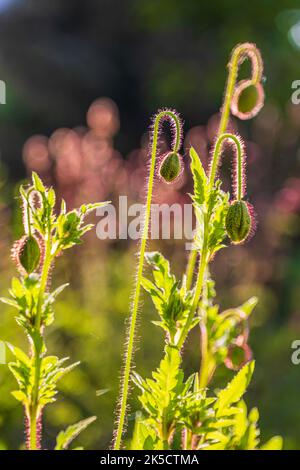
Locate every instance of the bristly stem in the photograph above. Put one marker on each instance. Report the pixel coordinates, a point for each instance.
(239, 54)
(239, 180)
(199, 284)
(239, 188)
(173, 119)
(35, 411)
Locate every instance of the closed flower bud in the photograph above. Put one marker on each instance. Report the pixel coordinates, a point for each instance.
(238, 221)
(27, 253)
(247, 100)
(171, 167)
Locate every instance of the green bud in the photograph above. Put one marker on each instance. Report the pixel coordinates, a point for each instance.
(29, 254)
(170, 168)
(238, 221)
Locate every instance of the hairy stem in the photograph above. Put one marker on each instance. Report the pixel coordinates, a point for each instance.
(204, 361)
(238, 184)
(199, 284)
(239, 53)
(191, 268)
(37, 349)
(204, 373)
(173, 118)
(204, 254)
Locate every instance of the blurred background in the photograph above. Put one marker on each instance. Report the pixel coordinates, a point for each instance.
(82, 82)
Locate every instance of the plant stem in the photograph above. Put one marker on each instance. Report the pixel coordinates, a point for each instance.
(38, 346)
(173, 118)
(191, 268)
(165, 434)
(193, 254)
(33, 442)
(216, 158)
(238, 53)
(199, 284)
(203, 374)
(204, 362)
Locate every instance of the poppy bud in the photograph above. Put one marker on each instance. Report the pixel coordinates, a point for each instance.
(247, 100)
(27, 253)
(238, 221)
(171, 167)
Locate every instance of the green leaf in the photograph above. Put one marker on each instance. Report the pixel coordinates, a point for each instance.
(86, 208)
(217, 231)
(249, 306)
(19, 354)
(64, 438)
(143, 435)
(199, 177)
(275, 443)
(37, 182)
(51, 197)
(10, 302)
(171, 301)
(20, 396)
(17, 288)
(161, 393)
(102, 391)
(235, 389)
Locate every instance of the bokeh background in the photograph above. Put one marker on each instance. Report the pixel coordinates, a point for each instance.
(82, 81)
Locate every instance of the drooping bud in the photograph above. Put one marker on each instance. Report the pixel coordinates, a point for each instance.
(171, 167)
(238, 221)
(27, 253)
(247, 100)
(239, 353)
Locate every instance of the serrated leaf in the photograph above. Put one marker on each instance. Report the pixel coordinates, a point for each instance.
(199, 177)
(37, 182)
(87, 208)
(235, 389)
(64, 438)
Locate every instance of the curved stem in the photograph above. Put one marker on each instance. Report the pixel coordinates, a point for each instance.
(239, 53)
(238, 184)
(204, 254)
(173, 119)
